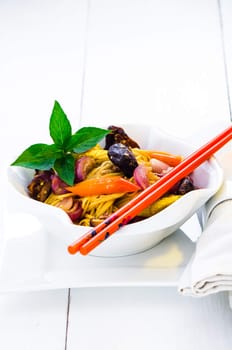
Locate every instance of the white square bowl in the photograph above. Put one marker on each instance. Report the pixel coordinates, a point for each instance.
(135, 237)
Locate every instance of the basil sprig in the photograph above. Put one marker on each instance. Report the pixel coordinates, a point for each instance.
(61, 154)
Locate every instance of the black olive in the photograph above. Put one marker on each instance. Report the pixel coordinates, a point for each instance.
(183, 186)
(186, 185)
(122, 157)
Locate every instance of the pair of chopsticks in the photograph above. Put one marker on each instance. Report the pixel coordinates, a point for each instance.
(86, 243)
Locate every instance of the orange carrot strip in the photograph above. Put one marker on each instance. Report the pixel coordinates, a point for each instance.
(168, 158)
(103, 185)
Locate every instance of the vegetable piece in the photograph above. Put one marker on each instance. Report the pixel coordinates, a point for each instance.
(183, 186)
(169, 158)
(58, 186)
(83, 167)
(159, 205)
(159, 167)
(186, 185)
(72, 207)
(40, 186)
(122, 157)
(75, 212)
(141, 176)
(103, 185)
(118, 135)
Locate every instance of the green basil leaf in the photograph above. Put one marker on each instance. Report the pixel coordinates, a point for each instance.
(38, 156)
(59, 126)
(86, 138)
(65, 168)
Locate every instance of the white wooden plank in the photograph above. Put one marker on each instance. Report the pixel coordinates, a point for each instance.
(42, 57)
(158, 61)
(35, 320)
(230, 299)
(147, 318)
(225, 7)
(42, 53)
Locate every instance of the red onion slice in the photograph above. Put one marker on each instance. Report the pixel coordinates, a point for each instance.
(141, 176)
(58, 186)
(83, 167)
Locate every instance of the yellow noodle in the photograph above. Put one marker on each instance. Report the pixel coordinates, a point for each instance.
(98, 206)
(105, 168)
(125, 199)
(141, 156)
(85, 204)
(86, 221)
(54, 199)
(98, 153)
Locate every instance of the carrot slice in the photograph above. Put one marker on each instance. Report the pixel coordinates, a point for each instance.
(103, 185)
(168, 158)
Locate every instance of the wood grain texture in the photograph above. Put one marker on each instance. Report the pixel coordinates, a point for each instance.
(147, 318)
(152, 61)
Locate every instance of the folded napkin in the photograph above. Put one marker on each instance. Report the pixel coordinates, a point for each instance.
(210, 269)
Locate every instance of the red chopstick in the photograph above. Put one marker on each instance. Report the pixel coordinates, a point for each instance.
(86, 243)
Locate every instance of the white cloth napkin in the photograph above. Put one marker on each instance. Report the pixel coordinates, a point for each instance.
(210, 269)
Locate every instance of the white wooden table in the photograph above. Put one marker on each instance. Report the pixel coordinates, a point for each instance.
(113, 61)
